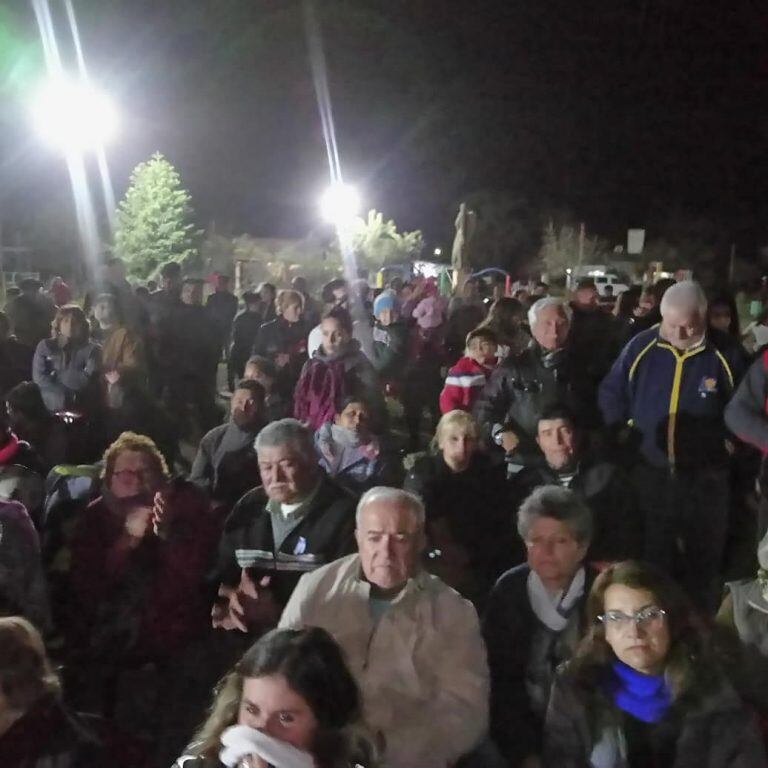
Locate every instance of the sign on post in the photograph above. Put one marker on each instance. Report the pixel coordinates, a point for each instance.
(635, 241)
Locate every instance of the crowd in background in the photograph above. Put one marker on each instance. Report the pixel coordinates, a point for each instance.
(355, 526)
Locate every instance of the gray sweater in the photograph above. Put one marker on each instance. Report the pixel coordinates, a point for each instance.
(745, 414)
(225, 465)
(67, 377)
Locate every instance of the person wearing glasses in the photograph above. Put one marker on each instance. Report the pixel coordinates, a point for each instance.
(138, 555)
(644, 688)
(533, 621)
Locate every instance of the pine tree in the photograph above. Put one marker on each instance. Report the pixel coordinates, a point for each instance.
(154, 220)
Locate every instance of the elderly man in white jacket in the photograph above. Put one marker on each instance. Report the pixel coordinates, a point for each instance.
(413, 643)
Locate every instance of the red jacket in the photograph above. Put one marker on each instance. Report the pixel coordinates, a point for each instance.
(463, 385)
(150, 600)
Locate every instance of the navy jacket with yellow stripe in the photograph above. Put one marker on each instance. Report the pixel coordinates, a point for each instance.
(675, 399)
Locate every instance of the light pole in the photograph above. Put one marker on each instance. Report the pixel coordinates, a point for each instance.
(76, 119)
(74, 116)
(340, 205)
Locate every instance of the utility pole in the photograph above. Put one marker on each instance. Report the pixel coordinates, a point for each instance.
(582, 237)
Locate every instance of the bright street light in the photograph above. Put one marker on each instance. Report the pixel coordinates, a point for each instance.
(340, 204)
(73, 116)
(438, 251)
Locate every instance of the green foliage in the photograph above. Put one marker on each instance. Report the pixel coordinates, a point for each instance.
(377, 243)
(560, 249)
(154, 220)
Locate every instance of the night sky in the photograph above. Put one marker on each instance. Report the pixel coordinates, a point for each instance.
(618, 113)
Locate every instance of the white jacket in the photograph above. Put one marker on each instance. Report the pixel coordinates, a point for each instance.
(422, 671)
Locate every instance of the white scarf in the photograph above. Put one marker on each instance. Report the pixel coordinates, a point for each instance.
(554, 610)
(240, 742)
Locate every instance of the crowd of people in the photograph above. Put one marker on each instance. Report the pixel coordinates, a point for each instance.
(380, 527)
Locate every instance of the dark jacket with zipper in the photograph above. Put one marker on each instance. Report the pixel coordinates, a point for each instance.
(675, 399)
(324, 533)
(522, 386)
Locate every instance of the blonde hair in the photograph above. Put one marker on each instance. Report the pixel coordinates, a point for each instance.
(222, 714)
(288, 296)
(131, 441)
(26, 674)
(461, 419)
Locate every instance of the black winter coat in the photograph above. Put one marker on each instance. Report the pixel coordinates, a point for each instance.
(510, 628)
(584, 729)
(522, 386)
(222, 308)
(281, 337)
(245, 329)
(470, 522)
(324, 533)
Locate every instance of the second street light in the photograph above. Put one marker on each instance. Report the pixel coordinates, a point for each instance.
(340, 205)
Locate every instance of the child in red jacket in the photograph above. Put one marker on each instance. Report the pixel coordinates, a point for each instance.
(467, 378)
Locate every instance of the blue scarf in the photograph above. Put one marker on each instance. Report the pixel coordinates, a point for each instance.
(645, 697)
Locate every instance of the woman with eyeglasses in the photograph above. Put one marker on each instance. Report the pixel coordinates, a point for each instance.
(644, 689)
(533, 619)
(135, 591)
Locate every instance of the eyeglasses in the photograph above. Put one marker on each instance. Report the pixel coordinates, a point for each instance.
(650, 617)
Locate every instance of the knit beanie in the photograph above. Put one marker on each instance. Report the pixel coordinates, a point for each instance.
(385, 300)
